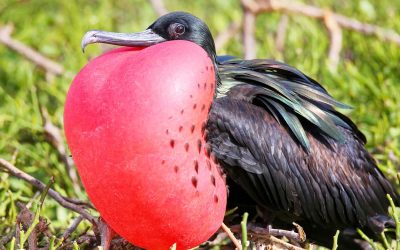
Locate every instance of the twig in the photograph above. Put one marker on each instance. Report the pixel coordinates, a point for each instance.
(31, 225)
(268, 235)
(281, 33)
(249, 41)
(40, 185)
(262, 232)
(158, 6)
(218, 240)
(30, 202)
(53, 136)
(43, 62)
(335, 34)
(224, 36)
(14, 156)
(38, 225)
(231, 236)
(106, 233)
(72, 227)
(318, 13)
(277, 232)
(251, 5)
(5, 239)
(275, 241)
(79, 202)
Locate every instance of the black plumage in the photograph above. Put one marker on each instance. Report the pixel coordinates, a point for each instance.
(277, 135)
(329, 180)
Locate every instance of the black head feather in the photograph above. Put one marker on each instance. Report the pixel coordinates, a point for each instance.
(184, 26)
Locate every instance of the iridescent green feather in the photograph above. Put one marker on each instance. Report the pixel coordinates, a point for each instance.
(289, 95)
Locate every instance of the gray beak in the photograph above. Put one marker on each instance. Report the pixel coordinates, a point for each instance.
(140, 39)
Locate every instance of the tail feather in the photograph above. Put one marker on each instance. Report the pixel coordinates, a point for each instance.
(379, 222)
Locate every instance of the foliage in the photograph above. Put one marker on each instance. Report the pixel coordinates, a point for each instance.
(367, 78)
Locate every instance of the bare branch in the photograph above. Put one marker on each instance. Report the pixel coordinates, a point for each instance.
(249, 41)
(223, 37)
(159, 7)
(335, 34)
(53, 136)
(267, 235)
(258, 6)
(5, 239)
(79, 202)
(231, 236)
(284, 245)
(219, 239)
(251, 5)
(281, 33)
(72, 227)
(9, 168)
(29, 53)
(30, 202)
(106, 233)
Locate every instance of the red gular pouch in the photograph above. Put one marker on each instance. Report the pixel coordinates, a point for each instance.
(133, 121)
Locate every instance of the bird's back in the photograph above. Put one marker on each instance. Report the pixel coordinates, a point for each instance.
(325, 182)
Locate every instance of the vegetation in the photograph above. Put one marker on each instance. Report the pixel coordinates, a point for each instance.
(367, 78)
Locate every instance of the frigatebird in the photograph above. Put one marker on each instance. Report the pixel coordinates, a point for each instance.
(277, 134)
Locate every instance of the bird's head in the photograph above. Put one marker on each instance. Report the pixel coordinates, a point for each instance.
(172, 26)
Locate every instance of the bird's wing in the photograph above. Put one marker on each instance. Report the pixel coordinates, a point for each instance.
(293, 98)
(335, 183)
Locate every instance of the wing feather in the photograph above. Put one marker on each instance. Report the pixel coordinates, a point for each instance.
(288, 94)
(336, 184)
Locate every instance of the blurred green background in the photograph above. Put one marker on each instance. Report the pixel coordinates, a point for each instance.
(367, 76)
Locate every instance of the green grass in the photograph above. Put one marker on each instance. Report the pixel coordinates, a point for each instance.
(368, 78)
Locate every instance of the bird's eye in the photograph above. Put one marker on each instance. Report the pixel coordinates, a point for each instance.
(179, 29)
(176, 30)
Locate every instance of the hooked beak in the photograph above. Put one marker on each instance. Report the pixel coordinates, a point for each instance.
(140, 39)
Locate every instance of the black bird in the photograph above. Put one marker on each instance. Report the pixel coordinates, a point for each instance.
(278, 137)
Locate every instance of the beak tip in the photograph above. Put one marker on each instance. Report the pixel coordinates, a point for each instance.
(83, 46)
(88, 38)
